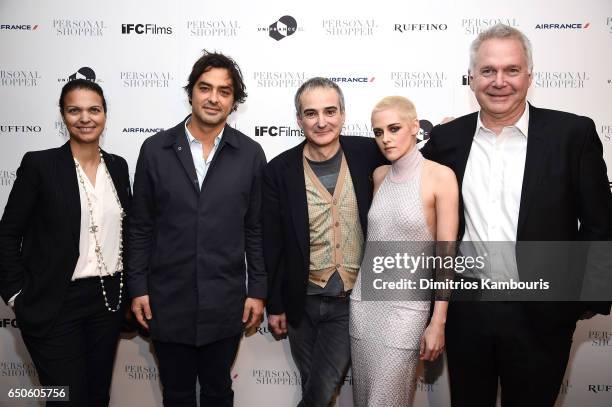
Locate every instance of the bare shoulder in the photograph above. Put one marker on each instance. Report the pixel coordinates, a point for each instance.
(440, 173)
(379, 173)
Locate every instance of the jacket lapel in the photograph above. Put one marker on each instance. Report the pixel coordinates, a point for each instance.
(113, 169)
(177, 140)
(535, 160)
(465, 136)
(69, 186)
(229, 138)
(362, 181)
(298, 203)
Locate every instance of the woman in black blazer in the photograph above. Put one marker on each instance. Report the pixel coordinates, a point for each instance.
(61, 251)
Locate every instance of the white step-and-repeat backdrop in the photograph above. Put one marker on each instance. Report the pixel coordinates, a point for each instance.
(141, 52)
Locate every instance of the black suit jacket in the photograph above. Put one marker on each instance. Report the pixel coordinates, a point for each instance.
(285, 219)
(40, 231)
(188, 244)
(565, 194)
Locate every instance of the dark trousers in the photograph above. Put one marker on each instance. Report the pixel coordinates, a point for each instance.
(79, 351)
(320, 346)
(489, 342)
(181, 365)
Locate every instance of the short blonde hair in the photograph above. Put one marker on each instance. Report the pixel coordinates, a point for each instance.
(401, 104)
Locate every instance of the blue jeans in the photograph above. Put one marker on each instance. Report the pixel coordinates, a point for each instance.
(320, 347)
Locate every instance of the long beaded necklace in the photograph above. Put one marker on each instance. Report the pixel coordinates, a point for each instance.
(93, 229)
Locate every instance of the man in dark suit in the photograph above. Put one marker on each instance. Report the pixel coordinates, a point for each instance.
(197, 199)
(526, 174)
(316, 198)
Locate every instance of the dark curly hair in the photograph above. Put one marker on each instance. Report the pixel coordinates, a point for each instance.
(217, 60)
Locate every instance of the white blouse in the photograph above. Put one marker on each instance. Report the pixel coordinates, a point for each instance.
(107, 216)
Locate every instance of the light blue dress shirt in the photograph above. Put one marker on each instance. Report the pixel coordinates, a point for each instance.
(201, 164)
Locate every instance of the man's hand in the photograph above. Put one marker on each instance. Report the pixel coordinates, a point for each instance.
(142, 311)
(253, 313)
(278, 324)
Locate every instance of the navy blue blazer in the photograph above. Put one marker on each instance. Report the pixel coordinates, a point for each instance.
(188, 244)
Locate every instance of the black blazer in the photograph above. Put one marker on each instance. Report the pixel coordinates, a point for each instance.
(40, 231)
(285, 219)
(565, 180)
(188, 245)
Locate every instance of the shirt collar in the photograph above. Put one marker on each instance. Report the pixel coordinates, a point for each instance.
(522, 124)
(191, 139)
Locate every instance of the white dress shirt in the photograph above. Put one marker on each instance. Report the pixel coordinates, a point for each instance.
(491, 190)
(201, 164)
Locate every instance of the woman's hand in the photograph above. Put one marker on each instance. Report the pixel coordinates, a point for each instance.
(432, 341)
